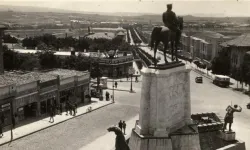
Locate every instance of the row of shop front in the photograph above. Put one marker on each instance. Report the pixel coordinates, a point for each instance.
(36, 102)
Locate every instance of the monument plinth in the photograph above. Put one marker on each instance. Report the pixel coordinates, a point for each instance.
(165, 110)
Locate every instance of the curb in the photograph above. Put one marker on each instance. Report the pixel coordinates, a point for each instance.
(55, 124)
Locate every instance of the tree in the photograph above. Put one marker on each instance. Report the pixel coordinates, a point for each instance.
(96, 72)
(30, 63)
(221, 63)
(10, 59)
(47, 59)
(9, 39)
(42, 46)
(246, 70)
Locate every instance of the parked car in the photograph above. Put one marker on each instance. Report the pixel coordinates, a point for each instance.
(199, 79)
(248, 105)
(221, 80)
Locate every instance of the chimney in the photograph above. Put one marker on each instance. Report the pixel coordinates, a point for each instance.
(2, 28)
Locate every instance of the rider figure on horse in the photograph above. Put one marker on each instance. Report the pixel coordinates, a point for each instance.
(170, 20)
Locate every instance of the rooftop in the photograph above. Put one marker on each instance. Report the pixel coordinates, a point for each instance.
(210, 34)
(121, 33)
(240, 41)
(2, 27)
(65, 73)
(20, 78)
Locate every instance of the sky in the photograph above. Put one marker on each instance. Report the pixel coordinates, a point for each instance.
(180, 7)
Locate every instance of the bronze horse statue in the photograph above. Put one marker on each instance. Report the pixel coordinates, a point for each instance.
(120, 142)
(164, 35)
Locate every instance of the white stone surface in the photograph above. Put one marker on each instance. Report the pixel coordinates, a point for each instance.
(165, 100)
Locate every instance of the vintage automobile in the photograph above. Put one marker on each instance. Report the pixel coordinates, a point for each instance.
(199, 79)
(221, 80)
(248, 105)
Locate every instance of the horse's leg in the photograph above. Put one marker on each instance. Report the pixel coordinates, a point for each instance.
(155, 49)
(165, 49)
(176, 55)
(172, 50)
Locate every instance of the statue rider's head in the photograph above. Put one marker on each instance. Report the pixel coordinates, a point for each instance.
(235, 106)
(169, 6)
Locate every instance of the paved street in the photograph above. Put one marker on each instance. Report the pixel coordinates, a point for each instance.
(78, 132)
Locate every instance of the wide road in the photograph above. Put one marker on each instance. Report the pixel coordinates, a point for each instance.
(80, 131)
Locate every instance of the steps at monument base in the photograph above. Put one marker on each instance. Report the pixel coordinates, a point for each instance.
(173, 142)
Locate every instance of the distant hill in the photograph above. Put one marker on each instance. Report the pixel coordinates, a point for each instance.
(117, 16)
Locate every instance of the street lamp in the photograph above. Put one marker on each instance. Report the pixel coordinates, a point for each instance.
(131, 71)
(111, 54)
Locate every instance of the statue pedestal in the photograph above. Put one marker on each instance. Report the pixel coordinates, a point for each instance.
(164, 108)
(227, 135)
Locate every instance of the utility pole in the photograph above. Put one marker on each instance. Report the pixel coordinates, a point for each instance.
(113, 81)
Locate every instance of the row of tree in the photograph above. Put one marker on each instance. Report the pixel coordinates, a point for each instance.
(47, 60)
(221, 65)
(129, 40)
(134, 36)
(145, 40)
(51, 42)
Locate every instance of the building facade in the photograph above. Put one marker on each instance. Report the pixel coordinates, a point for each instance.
(237, 48)
(29, 95)
(204, 45)
(7, 94)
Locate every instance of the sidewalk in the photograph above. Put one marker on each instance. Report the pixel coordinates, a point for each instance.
(33, 127)
(107, 141)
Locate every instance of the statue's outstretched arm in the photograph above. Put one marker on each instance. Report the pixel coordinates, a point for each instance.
(239, 110)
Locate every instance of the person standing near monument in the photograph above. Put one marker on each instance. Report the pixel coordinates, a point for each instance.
(124, 127)
(116, 84)
(120, 125)
(229, 116)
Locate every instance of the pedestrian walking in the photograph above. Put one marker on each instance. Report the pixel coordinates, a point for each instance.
(124, 127)
(120, 124)
(61, 108)
(107, 95)
(67, 108)
(2, 118)
(136, 79)
(116, 84)
(51, 114)
(76, 107)
(1, 129)
(127, 77)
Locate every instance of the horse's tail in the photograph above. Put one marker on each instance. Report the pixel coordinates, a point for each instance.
(155, 33)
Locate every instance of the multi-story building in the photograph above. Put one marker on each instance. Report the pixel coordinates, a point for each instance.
(237, 48)
(215, 39)
(203, 45)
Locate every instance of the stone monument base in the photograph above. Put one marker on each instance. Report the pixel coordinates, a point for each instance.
(227, 135)
(186, 138)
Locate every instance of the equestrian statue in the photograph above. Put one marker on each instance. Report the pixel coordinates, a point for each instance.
(171, 32)
(120, 142)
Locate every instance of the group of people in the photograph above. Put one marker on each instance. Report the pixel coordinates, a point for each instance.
(122, 125)
(58, 109)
